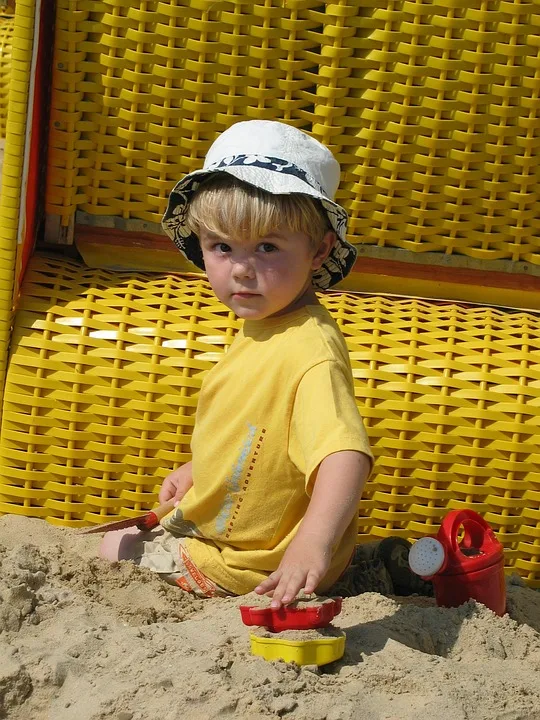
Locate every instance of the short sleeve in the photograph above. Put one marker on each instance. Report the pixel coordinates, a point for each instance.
(325, 419)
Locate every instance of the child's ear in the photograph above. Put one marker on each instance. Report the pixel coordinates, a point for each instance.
(324, 249)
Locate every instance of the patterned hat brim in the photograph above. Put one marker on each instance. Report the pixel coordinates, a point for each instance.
(275, 176)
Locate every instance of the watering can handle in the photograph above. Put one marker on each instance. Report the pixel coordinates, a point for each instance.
(478, 533)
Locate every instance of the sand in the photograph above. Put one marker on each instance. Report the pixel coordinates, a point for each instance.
(330, 631)
(84, 640)
(302, 600)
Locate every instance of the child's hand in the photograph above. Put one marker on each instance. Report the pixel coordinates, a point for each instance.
(303, 566)
(334, 503)
(176, 484)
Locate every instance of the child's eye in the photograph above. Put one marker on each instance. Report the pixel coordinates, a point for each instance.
(267, 247)
(222, 247)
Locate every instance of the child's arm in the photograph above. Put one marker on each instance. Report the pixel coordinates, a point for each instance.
(176, 484)
(334, 503)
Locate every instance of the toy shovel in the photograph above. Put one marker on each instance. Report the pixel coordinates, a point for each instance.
(148, 521)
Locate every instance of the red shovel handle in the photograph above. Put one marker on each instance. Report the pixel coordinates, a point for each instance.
(154, 517)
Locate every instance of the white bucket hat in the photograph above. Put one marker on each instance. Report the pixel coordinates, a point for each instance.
(277, 158)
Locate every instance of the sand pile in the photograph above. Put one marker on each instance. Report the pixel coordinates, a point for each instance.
(84, 640)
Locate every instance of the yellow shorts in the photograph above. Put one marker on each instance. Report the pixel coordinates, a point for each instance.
(167, 555)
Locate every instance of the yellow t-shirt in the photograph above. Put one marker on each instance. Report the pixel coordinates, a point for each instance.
(269, 412)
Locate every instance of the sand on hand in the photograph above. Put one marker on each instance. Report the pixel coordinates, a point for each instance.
(81, 639)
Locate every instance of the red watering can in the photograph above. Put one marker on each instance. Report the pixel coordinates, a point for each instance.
(470, 569)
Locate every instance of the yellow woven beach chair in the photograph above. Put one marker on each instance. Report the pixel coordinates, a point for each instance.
(433, 111)
(105, 369)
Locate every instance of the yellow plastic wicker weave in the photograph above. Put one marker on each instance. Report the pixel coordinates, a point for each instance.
(12, 169)
(6, 37)
(105, 369)
(432, 109)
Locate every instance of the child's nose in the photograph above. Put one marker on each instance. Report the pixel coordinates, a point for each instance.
(242, 267)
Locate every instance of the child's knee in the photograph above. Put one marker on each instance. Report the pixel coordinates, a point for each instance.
(120, 544)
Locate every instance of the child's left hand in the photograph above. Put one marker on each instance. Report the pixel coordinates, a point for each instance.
(303, 566)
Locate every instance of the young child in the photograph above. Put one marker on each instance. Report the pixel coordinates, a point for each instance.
(270, 499)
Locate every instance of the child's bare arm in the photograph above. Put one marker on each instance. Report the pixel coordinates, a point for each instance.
(176, 484)
(334, 502)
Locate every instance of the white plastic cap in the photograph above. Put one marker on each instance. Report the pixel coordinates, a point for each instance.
(426, 557)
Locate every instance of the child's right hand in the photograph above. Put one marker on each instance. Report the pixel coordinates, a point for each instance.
(176, 484)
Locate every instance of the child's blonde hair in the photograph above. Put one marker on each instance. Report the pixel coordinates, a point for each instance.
(232, 208)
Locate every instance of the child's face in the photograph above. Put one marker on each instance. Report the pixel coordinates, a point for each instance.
(270, 276)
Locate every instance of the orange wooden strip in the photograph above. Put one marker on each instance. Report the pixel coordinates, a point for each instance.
(462, 276)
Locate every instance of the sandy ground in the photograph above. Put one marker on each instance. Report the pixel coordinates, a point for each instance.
(84, 640)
